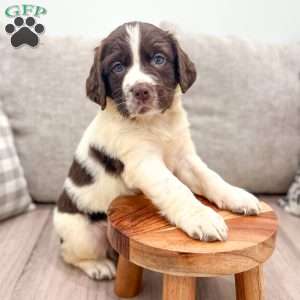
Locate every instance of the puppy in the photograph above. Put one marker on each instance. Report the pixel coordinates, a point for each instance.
(139, 142)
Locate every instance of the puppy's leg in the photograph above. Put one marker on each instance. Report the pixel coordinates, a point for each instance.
(203, 181)
(173, 198)
(84, 244)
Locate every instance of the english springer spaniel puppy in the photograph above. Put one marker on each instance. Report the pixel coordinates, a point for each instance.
(139, 142)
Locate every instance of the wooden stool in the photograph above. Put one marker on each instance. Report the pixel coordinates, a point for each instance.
(144, 239)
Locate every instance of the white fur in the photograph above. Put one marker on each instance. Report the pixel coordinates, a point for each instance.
(135, 74)
(84, 244)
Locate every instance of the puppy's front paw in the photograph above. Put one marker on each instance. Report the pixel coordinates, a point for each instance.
(240, 201)
(205, 224)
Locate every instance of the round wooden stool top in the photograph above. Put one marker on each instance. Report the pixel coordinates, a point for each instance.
(137, 231)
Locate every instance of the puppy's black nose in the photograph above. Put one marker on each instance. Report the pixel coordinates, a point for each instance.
(141, 91)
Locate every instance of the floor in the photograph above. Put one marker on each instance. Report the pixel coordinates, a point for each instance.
(30, 266)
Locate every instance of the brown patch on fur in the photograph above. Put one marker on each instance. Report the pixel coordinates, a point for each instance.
(95, 88)
(79, 174)
(111, 165)
(186, 71)
(98, 216)
(66, 205)
(103, 83)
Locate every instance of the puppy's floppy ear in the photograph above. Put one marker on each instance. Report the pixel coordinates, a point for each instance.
(95, 87)
(185, 68)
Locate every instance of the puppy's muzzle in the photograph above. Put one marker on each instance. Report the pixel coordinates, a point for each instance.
(143, 97)
(142, 92)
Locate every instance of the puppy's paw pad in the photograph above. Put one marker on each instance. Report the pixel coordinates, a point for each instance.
(99, 270)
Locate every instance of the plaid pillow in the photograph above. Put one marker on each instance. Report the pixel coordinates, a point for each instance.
(14, 197)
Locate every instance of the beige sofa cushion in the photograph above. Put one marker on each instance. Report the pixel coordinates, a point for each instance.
(244, 108)
(43, 94)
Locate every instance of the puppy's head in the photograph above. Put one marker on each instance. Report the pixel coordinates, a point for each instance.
(138, 67)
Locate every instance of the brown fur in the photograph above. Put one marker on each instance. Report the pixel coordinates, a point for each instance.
(79, 174)
(111, 165)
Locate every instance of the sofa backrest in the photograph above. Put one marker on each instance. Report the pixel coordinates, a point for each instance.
(244, 108)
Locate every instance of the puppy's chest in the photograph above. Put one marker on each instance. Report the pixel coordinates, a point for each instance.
(141, 143)
(129, 141)
(171, 154)
(170, 145)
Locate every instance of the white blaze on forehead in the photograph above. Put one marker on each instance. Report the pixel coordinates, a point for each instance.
(134, 41)
(135, 73)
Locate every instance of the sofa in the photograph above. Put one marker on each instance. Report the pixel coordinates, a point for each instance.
(244, 111)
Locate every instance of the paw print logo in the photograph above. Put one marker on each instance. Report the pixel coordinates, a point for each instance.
(24, 33)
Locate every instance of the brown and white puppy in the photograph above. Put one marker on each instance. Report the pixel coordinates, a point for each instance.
(139, 142)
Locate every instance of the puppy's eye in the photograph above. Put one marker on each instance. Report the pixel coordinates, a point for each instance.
(117, 67)
(158, 59)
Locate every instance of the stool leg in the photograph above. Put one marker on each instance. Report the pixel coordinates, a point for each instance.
(128, 279)
(249, 284)
(179, 288)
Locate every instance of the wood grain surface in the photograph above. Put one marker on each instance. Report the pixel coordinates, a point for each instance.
(179, 287)
(249, 285)
(138, 232)
(128, 279)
